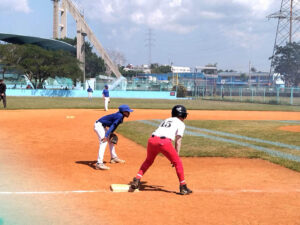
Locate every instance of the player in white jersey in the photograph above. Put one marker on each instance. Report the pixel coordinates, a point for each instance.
(169, 130)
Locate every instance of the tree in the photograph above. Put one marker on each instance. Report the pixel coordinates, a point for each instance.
(156, 68)
(243, 77)
(286, 62)
(253, 69)
(40, 64)
(94, 65)
(129, 73)
(117, 57)
(8, 55)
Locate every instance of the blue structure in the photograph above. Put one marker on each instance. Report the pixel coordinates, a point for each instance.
(83, 93)
(240, 79)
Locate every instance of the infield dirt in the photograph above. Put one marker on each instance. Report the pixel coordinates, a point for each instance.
(47, 154)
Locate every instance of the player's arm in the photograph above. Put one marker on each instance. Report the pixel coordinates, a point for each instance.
(178, 139)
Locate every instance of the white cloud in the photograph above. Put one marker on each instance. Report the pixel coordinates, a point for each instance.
(175, 3)
(179, 16)
(158, 14)
(243, 38)
(211, 15)
(15, 5)
(257, 7)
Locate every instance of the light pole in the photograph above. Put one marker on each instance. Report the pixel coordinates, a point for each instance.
(195, 71)
(83, 58)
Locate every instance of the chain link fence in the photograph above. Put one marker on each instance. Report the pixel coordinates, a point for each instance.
(284, 96)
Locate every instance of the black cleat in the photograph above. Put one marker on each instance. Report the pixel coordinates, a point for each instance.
(135, 184)
(184, 190)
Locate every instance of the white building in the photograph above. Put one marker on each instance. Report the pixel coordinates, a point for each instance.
(180, 69)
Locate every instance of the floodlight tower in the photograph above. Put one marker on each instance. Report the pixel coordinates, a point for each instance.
(288, 26)
(83, 30)
(55, 18)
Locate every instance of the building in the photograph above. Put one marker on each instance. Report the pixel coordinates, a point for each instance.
(180, 69)
(243, 79)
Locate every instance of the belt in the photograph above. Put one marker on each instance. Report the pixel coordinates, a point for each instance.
(162, 137)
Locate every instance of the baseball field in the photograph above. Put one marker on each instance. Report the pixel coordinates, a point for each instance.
(242, 162)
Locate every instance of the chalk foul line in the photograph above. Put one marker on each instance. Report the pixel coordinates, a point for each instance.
(208, 191)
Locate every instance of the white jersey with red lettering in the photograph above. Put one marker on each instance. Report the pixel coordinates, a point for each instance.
(170, 128)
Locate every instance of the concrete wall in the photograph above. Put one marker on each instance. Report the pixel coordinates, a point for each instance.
(80, 93)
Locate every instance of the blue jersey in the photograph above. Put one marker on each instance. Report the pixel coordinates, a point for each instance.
(89, 90)
(112, 121)
(105, 93)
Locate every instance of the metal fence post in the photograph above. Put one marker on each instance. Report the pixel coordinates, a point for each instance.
(252, 94)
(241, 94)
(277, 95)
(292, 96)
(264, 95)
(230, 93)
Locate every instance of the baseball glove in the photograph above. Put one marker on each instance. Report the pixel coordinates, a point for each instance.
(113, 138)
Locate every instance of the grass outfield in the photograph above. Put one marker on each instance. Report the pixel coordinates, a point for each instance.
(84, 103)
(247, 139)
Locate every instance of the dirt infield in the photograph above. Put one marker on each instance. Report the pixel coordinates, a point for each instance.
(290, 128)
(47, 177)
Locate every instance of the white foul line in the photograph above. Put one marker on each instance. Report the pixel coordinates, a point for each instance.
(208, 191)
(51, 192)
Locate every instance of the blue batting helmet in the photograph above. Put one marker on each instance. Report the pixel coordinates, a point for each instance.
(125, 108)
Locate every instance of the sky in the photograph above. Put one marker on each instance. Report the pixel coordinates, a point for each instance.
(231, 33)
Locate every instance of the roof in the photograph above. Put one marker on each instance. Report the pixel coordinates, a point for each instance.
(49, 44)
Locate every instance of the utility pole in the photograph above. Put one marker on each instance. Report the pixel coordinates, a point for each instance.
(250, 81)
(287, 27)
(149, 44)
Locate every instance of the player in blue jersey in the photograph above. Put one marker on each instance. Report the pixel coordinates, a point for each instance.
(105, 94)
(104, 127)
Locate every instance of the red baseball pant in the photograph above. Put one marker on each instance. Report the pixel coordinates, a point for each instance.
(157, 145)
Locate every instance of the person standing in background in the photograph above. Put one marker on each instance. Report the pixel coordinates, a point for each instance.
(90, 93)
(3, 92)
(105, 94)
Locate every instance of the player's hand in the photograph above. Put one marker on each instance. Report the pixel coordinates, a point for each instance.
(103, 140)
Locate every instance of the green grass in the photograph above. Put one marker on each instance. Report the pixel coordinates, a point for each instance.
(194, 146)
(84, 103)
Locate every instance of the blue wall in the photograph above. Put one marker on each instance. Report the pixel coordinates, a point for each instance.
(80, 93)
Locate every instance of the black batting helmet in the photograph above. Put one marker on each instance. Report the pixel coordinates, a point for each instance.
(179, 111)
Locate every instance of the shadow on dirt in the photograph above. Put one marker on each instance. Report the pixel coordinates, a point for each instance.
(91, 164)
(145, 187)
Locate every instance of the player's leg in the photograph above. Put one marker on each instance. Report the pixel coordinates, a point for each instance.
(152, 152)
(113, 155)
(106, 103)
(169, 151)
(100, 131)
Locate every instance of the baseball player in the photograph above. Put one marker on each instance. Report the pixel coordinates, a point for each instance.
(169, 130)
(104, 127)
(105, 94)
(3, 92)
(90, 93)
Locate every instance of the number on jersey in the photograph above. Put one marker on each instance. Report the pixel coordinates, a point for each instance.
(166, 124)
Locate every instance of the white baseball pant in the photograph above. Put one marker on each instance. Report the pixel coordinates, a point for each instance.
(99, 129)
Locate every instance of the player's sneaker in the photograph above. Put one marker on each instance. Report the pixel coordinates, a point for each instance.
(135, 184)
(101, 166)
(184, 190)
(117, 160)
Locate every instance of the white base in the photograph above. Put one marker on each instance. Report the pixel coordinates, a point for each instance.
(122, 188)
